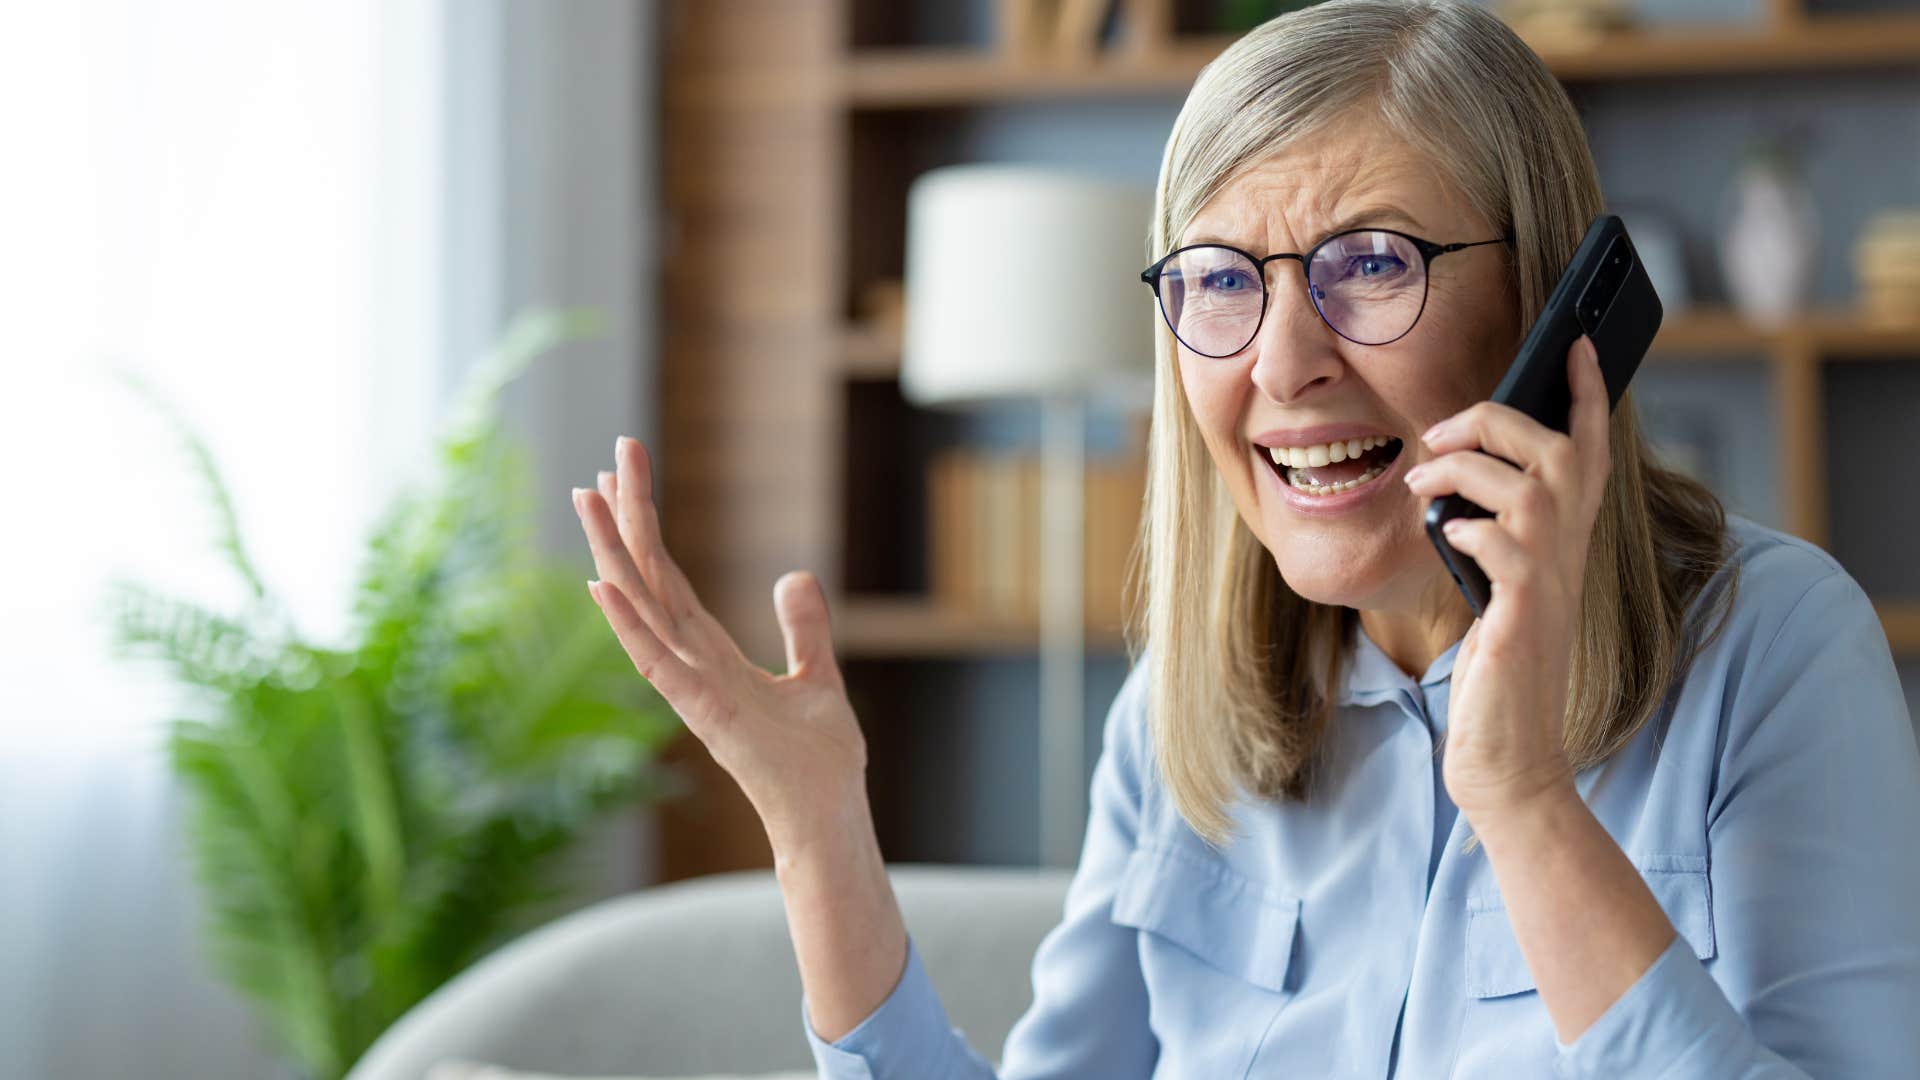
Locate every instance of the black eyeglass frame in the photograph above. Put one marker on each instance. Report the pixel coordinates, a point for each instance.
(1428, 250)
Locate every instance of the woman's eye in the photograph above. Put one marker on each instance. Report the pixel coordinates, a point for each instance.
(1374, 267)
(1227, 280)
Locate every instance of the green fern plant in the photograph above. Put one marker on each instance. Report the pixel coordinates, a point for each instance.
(367, 820)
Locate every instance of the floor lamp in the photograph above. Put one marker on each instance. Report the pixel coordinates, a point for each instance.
(1022, 283)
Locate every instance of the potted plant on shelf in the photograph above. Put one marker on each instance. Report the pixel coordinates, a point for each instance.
(367, 819)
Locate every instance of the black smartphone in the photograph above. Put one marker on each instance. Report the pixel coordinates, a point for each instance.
(1604, 293)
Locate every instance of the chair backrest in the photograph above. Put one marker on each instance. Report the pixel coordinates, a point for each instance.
(699, 977)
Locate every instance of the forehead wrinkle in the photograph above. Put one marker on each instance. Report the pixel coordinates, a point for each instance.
(1353, 179)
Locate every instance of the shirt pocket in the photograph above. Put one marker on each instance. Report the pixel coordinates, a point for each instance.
(1495, 966)
(1198, 903)
(1215, 948)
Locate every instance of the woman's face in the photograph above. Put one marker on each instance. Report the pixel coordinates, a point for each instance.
(1302, 387)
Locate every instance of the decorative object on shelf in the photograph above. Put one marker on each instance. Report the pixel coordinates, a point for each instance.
(1886, 259)
(1657, 240)
(1076, 34)
(1565, 24)
(1026, 26)
(1772, 239)
(1020, 285)
(1146, 25)
(1070, 32)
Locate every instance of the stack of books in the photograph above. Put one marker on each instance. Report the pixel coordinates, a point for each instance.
(1887, 260)
(983, 529)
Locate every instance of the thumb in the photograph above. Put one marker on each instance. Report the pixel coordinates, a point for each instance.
(801, 605)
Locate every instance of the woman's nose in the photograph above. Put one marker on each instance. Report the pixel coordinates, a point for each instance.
(1295, 349)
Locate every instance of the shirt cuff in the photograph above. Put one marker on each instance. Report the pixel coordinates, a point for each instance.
(902, 1037)
(1674, 1021)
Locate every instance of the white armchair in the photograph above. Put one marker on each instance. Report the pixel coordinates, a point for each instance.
(699, 977)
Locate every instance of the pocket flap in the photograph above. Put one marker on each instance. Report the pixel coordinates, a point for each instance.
(1204, 906)
(1495, 966)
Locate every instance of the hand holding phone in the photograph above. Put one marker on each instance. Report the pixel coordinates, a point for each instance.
(1603, 293)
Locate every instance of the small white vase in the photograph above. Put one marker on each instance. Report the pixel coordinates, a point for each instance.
(1771, 244)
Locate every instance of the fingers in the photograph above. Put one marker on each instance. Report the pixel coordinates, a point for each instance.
(801, 606)
(639, 523)
(1517, 437)
(656, 663)
(615, 566)
(1504, 431)
(1591, 409)
(1506, 561)
(1522, 500)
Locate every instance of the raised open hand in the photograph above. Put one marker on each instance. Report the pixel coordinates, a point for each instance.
(790, 741)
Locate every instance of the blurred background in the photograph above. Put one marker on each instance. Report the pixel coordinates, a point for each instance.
(294, 665)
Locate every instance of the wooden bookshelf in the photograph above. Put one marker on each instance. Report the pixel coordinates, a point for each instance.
(785, 158)
(912, 78)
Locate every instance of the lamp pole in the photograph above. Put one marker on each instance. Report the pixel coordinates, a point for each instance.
(1062, 751)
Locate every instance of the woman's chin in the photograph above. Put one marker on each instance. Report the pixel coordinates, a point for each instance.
(1350, 583)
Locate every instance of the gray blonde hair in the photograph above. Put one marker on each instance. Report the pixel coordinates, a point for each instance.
(1240, 667)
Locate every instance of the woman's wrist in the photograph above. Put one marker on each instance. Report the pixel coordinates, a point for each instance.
(830, 836)
(848, 935)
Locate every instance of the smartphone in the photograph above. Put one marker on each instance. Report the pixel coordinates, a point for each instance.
(1605, 294)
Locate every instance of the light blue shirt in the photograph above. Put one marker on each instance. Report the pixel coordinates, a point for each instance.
(1774, 811)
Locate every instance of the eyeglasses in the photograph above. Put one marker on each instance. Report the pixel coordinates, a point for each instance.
(1369, 286)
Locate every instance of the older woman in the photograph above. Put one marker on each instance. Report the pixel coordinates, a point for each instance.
(1652, 815)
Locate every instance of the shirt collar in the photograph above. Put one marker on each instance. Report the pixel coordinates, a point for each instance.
(1370, 676)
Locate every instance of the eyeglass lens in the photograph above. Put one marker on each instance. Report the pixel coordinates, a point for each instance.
(1369, 286)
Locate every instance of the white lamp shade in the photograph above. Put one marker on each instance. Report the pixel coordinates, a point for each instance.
(1024, 282)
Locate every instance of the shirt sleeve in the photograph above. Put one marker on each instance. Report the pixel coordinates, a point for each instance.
(1089, 1011)
(1814, 876)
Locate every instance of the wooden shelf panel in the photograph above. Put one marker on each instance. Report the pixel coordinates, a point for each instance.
(876, 627)
(1812, 43)
(1835, 334)
(926, 77)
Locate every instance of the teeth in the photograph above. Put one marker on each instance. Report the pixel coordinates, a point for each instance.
(1316, 456)
(1328, 489)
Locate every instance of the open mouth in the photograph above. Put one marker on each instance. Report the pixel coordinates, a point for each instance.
(1331, 468)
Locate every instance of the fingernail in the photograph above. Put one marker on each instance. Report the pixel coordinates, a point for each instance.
(1414, 474)
(577, 492)
(603, 476)
(1433, 432)
(1452, 525)
(593, 589)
